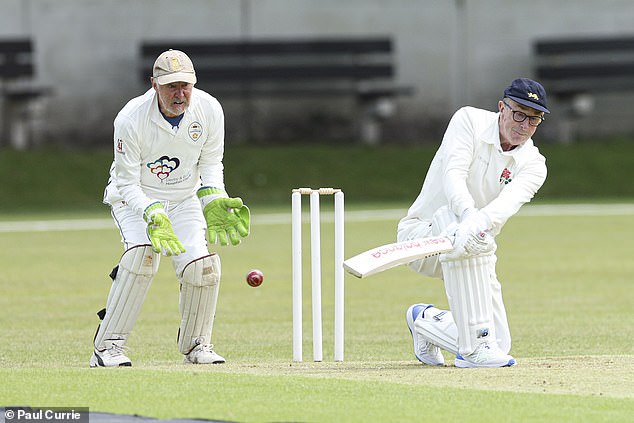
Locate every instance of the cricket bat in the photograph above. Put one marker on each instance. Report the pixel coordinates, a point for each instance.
(391, 255)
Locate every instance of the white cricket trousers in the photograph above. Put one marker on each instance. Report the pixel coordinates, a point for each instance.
(187, 220)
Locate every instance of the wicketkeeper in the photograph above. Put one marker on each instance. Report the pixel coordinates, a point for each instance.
(485, 169)
(166, 190)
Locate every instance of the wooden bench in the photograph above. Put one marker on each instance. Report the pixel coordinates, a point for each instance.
(574, 70)
(18, 91)
(361, 68)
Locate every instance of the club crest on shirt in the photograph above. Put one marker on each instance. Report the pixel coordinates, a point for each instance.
(505, 177)
(163, 166)
(195, 130)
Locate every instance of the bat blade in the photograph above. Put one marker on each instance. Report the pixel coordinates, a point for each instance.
(391, 255)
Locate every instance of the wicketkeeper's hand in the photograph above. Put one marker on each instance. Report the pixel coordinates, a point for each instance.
(160, 231)
(227, 219)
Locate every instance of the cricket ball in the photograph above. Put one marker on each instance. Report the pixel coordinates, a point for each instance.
(255, 278)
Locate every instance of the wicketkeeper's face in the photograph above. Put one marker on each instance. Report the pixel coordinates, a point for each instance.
(173, 98)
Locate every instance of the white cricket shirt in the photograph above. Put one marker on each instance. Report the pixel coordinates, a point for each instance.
(471, 170)
(155, 162)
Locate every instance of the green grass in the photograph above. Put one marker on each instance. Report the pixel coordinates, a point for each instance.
(65, 181)
(567, 286)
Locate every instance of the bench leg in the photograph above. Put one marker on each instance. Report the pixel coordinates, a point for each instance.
(370, 130)
(575, 108)
(373, 114)
(18, 126)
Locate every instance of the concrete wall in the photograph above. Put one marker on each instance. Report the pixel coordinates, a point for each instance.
(454, 52)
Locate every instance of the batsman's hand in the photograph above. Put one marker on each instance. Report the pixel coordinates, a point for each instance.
(226, 219)
(472, 237)
(161, 233)
(467, 244)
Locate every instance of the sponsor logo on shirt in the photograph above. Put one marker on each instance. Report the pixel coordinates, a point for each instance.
(163, 166)
(120, 146)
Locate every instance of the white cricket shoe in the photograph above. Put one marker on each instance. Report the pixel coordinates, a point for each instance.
(425, 351)
(203, 354)
(112, 356)
(485, 355)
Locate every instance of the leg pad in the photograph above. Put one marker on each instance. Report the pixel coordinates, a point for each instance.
(198, 297)
(130, 286)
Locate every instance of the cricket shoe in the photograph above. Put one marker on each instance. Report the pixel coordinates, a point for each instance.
(112, 356)
(425, 351)
(485, 355)
(203, 354)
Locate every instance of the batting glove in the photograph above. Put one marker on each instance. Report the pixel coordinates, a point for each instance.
(160, 231)
(227, 219)
(471, 236)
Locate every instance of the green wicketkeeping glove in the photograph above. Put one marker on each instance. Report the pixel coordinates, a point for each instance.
(160, 231)
(226, 217)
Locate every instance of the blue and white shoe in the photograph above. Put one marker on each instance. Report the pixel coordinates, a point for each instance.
(486, 355)
(425, 351)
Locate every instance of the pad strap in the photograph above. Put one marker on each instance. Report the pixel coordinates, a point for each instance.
(438, 327)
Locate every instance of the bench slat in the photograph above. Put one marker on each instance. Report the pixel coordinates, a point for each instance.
(585, 71)
(268, 47)
(583, 45)
(273, 73)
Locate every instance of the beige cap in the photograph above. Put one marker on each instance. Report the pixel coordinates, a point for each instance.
(173, 66)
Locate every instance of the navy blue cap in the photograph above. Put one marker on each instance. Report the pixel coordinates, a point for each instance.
(529, 93)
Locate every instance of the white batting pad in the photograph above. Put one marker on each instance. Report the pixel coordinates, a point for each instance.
(198, 297)
(468, 288)
(502, 330)
(130, 286)
(439, 328)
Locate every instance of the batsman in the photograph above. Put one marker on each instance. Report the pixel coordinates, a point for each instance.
(485, 169)
(167, 197)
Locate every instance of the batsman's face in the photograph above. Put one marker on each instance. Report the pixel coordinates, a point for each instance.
(173, 98)
(512, 133)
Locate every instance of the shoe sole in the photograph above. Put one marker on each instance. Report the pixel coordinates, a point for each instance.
(186, 361)
(464, 364)
(410, 325)
(96, 361)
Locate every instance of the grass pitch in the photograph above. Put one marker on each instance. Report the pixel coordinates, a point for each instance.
(567, 283)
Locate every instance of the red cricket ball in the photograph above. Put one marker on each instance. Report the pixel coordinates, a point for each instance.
(255, 277)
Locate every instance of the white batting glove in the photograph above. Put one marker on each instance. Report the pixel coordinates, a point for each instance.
(471, 237)
(468, 245)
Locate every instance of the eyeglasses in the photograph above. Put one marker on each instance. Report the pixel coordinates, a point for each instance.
(521, 116)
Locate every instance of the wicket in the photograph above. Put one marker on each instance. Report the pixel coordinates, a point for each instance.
(315, 252)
